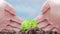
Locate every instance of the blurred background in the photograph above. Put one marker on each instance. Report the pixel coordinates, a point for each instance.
(27, 8)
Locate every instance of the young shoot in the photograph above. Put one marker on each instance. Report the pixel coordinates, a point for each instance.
(27, 24)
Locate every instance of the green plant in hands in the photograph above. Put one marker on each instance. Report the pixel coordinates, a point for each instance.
(27, 24)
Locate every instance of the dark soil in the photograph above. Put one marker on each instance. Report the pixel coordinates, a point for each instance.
(37, 31)
(30, 31)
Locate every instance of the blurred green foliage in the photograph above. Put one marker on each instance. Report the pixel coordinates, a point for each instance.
(27, 24)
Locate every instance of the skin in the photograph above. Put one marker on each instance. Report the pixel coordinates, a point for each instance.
(8, 19)
(48, 20)
(50, 15)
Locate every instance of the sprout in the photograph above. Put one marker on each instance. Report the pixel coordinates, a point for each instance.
(27, 24)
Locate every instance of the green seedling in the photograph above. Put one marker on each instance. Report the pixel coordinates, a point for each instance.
(27, 24)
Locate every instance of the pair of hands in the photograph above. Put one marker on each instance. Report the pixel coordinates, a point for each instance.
(50, 11)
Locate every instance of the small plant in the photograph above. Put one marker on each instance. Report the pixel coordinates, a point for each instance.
(27, 24)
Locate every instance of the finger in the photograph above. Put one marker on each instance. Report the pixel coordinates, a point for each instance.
(45, 7)
(9, 8)
(17, 19)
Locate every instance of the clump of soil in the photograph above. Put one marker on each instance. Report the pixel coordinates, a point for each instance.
(37, 31)
(7, 32)
(30, 31)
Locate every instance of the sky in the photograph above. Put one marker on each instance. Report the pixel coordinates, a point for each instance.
(27, 8)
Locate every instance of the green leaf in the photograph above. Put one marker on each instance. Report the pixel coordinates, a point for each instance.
(28, 23)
